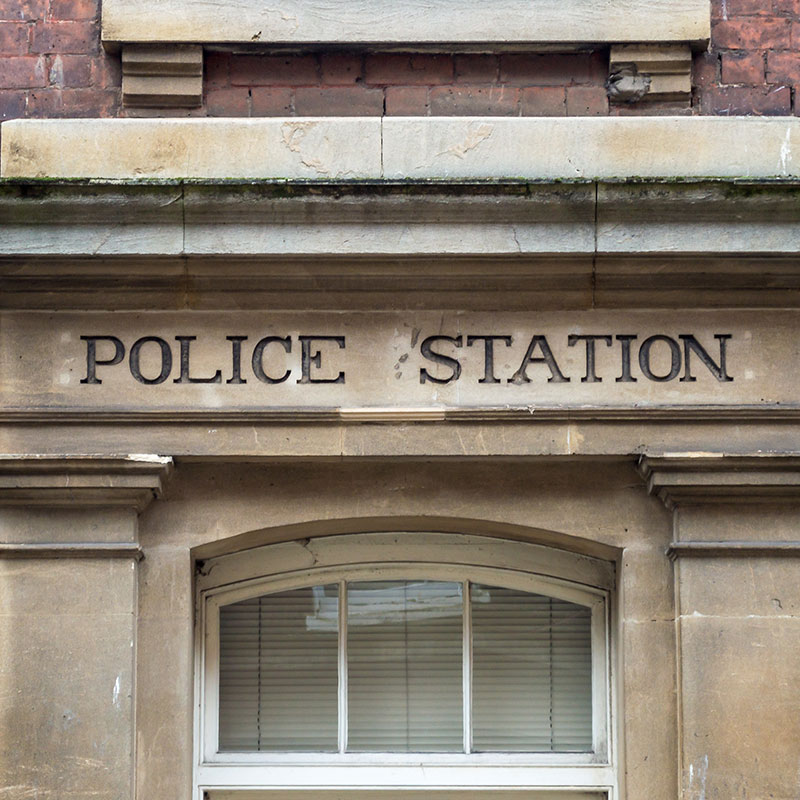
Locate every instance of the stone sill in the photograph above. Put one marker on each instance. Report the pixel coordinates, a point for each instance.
(416, 149)
(306, 23)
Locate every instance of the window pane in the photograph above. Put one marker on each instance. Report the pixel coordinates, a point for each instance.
(532, 672)
(404, 650)
(279, 671)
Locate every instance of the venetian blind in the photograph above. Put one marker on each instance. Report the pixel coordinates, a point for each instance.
(401, 646)
(278, 673)
(531, 672)
(404, 659)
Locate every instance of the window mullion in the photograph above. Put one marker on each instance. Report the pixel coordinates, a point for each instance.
(342, 667)
(467, 666)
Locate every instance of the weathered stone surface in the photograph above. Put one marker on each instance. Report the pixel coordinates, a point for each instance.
(399, 148)
(48, 363)
(592, 147)
(648, 592)
(739, 522)
(342, 148)
(66, 634)
(741, 708)
(649, 680)
(545, 434)
(298, 22)
(63, 525)
(687, 218)
(766, 588)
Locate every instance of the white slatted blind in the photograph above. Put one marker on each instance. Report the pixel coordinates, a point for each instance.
(531, 672)
(278, 672)
(404, 642)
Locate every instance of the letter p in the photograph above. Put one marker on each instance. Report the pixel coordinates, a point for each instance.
(91, 356)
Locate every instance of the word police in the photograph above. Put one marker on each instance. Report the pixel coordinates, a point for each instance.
(311, 359)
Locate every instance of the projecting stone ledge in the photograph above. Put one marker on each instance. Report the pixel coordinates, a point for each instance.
(403, 148)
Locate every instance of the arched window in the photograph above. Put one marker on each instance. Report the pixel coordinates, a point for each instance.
(401, 662)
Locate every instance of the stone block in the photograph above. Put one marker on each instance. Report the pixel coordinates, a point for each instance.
(741, 708)
(548, 22)
(766, 588)
(324, 149)
(650, 717)
(67, 634)
(603, 147)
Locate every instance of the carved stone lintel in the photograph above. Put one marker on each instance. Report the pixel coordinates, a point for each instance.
(162, 76)
(83, 480)
(718, 478)
(649, 72)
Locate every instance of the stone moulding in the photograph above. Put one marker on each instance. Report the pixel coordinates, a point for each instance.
(255, 244)
(162, 76)
(565, 23)
(526, 415)
(734, 549)
(686, 478)
(131, 481)
(71, 550)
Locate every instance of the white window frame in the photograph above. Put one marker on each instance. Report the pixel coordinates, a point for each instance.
(400, 556)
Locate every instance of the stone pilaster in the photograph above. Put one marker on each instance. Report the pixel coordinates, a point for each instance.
(736, 551)
(68, 593)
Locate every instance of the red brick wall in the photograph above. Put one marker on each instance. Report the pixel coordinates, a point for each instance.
(51, 62)
(356, 84)
(51, 65)
(753, 66)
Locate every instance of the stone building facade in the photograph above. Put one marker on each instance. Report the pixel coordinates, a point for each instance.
(399, 403)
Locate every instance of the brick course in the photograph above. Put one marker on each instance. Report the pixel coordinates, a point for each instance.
(52, 64)
(752, 64)
(51, 61)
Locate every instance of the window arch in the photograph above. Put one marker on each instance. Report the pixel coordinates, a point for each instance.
(404, 660)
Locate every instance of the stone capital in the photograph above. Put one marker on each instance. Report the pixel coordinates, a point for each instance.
(685, 478)
(128, 481)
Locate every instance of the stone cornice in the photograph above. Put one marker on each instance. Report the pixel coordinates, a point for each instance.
(685, 478)
(446, 243)
(71, 550)
(131, 481)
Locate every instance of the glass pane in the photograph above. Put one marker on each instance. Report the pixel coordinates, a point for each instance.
(532, 672)
(404, 650)
(279, 671)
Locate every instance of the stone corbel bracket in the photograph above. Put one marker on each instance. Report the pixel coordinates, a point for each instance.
(681, 478)
(162, 76)
(700, 478)
(649, 72)
(131, 481)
